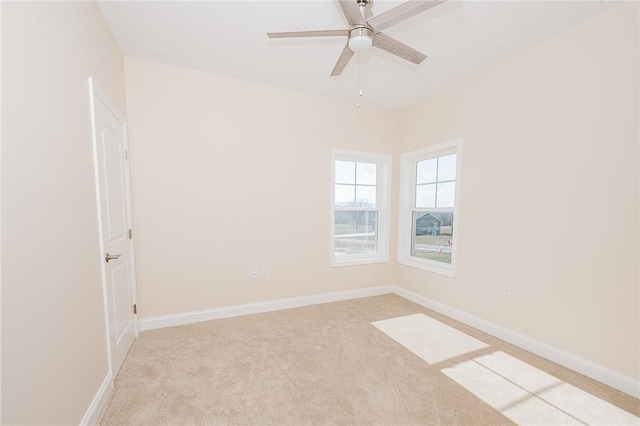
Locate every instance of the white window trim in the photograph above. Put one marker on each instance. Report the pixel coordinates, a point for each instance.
(383, 198)
(407, 198)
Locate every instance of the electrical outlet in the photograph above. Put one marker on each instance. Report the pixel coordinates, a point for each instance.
(506, 292)
(265, 273)
(254, 274)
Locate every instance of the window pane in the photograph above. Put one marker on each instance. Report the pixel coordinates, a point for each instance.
(447, 168)
(345, 195)
(426, 171)
(355, 233)
(446, 194)
(366, 174)
(365, 196)
(432, 235)
(345, 172)
(426, 196)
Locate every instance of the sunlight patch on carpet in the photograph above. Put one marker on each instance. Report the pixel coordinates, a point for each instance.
(529, 396)
(521, 392)
(428, 338)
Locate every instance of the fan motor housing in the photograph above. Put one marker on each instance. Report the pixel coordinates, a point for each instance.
(360, 38)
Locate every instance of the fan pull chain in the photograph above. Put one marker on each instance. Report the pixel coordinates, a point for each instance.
(359, 83)
(359, 101)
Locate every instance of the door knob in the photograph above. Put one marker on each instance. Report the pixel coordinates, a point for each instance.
(108, 257)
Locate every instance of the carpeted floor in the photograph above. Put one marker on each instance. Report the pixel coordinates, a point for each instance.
(328, 364)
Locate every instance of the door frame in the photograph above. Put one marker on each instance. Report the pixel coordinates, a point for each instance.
(96, 92)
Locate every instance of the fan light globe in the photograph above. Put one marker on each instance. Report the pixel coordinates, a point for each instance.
(360, 39)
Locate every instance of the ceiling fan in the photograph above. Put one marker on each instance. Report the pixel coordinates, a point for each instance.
(365, 32)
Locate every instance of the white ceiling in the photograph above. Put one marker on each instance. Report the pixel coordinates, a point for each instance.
(229, 38)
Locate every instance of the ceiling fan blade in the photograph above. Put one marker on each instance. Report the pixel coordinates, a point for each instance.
(343, 60)
(401, 12)
(319, 33)
(351, 11)
(393, 46)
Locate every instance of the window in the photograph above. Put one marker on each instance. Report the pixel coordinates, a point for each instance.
(428, 199)
(359, 213)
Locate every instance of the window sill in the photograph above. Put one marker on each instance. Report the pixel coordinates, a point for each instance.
(358, 261)
(447, 270)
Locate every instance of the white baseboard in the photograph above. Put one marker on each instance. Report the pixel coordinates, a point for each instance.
(605, 375)
(257, 308)
(95, 408)
(616, 380)
(590, 369)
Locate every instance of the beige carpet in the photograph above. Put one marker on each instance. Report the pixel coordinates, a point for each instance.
(328, 364)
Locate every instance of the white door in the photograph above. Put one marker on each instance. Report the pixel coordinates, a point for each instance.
(111, 156)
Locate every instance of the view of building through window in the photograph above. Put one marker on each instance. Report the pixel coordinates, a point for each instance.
(432, 217)
(432, 235)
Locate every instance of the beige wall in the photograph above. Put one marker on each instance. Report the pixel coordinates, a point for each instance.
(549, 201)
(53, 335)
(229, 175)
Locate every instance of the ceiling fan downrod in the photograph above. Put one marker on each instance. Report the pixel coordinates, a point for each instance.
(362, 4)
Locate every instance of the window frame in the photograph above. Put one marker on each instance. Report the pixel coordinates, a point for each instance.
(383, 197)
(408, 183)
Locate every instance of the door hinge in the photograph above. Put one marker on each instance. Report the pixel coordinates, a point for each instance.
(135, 309)
(126, 154)
(130, 234)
